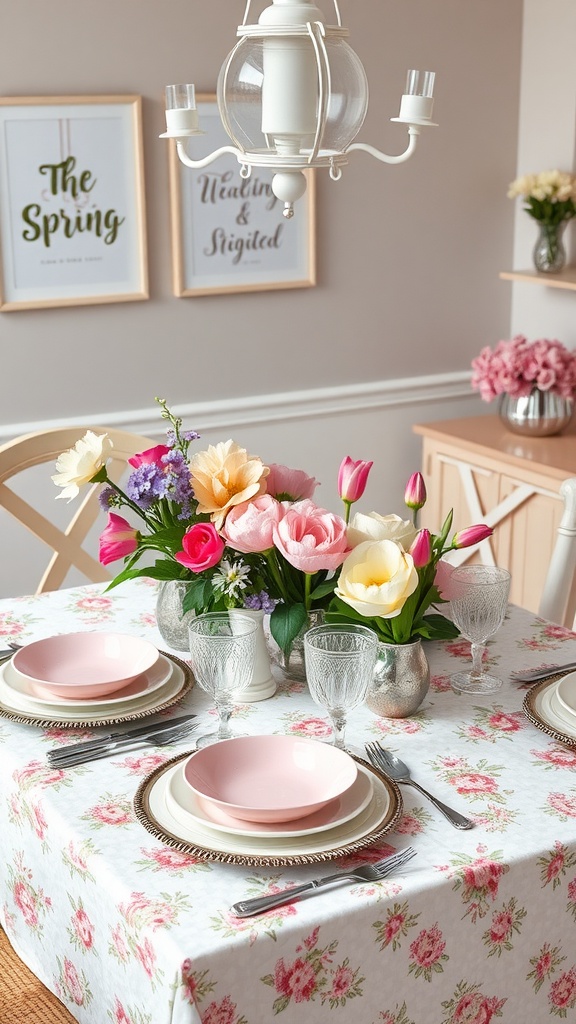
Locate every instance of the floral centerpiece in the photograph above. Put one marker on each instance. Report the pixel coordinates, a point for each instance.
(239, 533)
(243, 534)
(517, 366)
(395, 573)
(550, 198)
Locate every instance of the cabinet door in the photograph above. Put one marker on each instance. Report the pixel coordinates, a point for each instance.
(525, 541)
(470, 490)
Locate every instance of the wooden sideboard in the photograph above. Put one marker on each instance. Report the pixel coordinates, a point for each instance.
(512, 483)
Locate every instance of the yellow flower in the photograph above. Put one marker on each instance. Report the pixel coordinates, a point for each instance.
(80, 464)
(377, 578)
(225, 475)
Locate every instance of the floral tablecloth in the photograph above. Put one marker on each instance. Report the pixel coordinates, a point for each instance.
(481, 926)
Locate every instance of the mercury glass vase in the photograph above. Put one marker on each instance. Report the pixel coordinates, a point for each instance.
(172, 623)
(539, 414)
(401, 680)
(549, 253)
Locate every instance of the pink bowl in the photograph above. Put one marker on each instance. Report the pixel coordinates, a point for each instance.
(80, 666)
(270, 778)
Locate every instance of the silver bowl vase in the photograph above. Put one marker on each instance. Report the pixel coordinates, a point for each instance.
(539, 414)
(401, 680)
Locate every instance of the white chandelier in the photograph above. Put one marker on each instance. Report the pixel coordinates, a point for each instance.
(293, 95)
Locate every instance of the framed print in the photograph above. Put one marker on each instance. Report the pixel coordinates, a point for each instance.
(72, 223)
(228, 233)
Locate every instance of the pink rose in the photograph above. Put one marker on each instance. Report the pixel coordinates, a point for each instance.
(501, 926)
(428, 947)
(25, 902)
(310, 538)
(152, 456)
(297, 982)
(249, 527)
(474, 782)
(72, 982)
(84, 928)
(223, 1012)
(111, 814)
(117, 540)
(286, 484)
(507, 723)
(563, 990)
(565, 805)
(202, 547)
(342, 983)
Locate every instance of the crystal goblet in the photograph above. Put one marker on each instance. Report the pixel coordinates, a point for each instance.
(479, 598)
(340, 660)
(222, 650)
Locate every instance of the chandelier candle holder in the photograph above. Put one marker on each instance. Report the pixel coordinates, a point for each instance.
(293, 95)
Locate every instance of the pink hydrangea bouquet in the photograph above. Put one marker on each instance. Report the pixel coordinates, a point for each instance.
(517, 366)
(242, 534)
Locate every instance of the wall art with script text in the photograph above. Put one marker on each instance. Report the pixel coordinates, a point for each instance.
(229, 234)
(72, 224)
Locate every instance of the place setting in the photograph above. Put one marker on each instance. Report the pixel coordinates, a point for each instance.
(550, 705)
(271, 799)
(90, 679)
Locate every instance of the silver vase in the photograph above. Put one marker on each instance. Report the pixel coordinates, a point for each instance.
(539, 414)
(401, 680)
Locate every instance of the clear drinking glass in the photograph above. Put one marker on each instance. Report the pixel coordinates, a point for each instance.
(478, 606)
(340, 660)
(222, 650)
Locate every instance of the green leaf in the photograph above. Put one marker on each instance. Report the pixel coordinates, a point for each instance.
(286, 621)
(327, 587)
(198, 595)
(161, 571)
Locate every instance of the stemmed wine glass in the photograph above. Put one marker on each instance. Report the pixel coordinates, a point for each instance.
(222, 650)
(340, 660)
(479, 598)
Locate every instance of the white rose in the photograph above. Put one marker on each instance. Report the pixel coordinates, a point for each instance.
(377, 527)
(377, 578)
(79, 464)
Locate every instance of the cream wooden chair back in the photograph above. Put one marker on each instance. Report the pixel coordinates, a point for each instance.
(66, 544)
(559, 594)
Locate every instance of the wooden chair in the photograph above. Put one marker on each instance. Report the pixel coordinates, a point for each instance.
(66, 545)
(558, 596)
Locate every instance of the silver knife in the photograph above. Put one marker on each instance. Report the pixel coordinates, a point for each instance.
(542, 673)
(141, 732)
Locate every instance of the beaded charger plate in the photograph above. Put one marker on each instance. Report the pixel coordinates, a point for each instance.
(179, 683)
(543, 709)
(371, 825)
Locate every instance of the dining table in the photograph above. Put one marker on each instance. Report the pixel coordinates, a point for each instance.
(127, 922)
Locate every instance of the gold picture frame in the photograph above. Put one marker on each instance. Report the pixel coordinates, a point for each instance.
(228, 233)
(72, 215)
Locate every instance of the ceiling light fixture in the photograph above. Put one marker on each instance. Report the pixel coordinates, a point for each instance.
(293, 95)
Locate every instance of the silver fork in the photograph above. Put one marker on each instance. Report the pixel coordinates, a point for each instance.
(179, 732)
(365, 873)
(391, 765)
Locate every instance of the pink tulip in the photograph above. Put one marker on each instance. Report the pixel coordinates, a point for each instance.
(149, 457)
(415, 493)
(202, 547)
(471, 535)
(310, 538)
(286, 484)
(249, 527)
(117, 540)
(352, 479)
(421, 549)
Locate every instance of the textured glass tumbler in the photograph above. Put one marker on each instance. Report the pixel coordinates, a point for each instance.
(340, 662)
(222, 651)
(478, 606)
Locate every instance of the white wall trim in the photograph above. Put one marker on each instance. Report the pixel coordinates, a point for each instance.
(225, 413)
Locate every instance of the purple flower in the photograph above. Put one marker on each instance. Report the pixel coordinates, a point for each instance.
(260, 602)
(107, 498)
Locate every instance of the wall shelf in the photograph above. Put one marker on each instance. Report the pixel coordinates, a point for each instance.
(564, 279)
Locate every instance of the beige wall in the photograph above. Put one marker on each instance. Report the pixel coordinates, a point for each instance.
(408, 256)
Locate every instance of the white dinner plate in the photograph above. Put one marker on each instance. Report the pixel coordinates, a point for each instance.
(189, 809)
(209, 839)
(142, 686)
(548, 707)
(566, 693)
(15, 703)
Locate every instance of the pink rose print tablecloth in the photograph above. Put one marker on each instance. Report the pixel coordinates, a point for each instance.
(480, 927)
